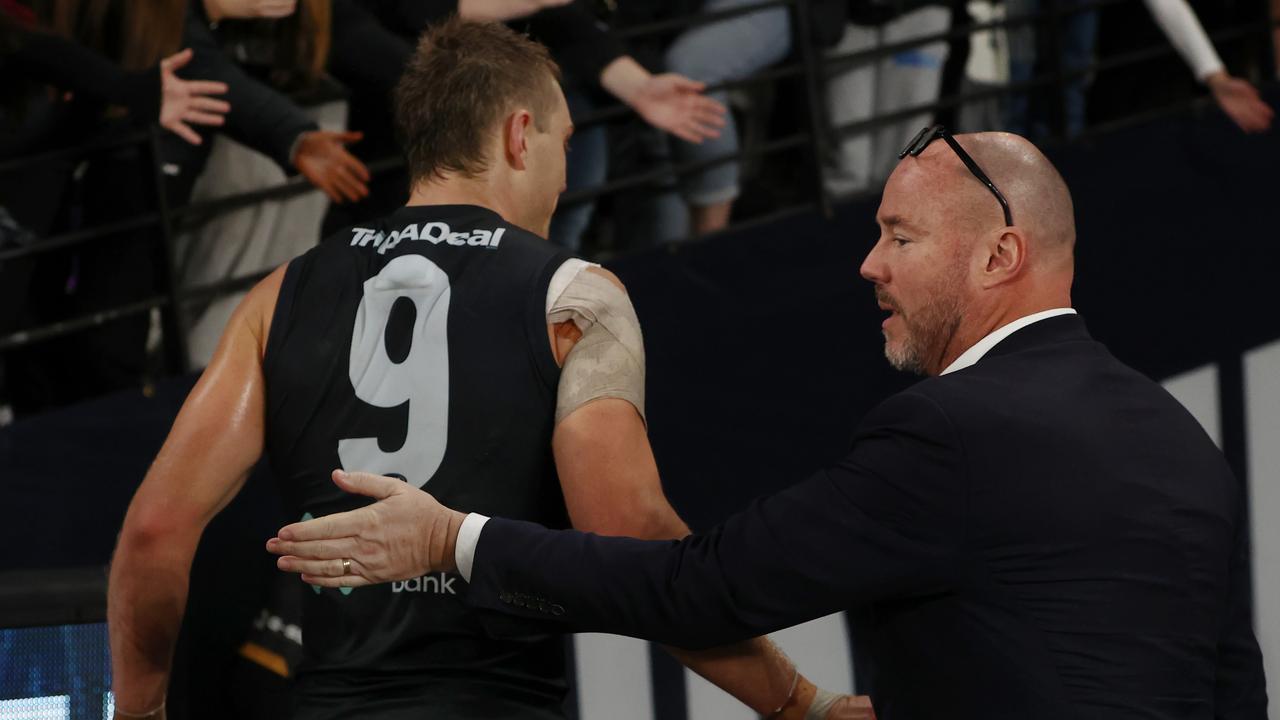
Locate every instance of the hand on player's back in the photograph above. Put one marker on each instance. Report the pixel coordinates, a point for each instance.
(405, 534)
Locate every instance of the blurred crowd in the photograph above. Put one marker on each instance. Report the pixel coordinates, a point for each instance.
(249, 92)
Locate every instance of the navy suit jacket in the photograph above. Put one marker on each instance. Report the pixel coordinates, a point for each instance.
(1046, 534)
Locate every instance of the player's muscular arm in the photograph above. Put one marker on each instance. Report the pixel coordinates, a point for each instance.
(611, 487)
(213, 445)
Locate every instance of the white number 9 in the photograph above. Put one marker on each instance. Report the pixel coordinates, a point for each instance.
(420, 378)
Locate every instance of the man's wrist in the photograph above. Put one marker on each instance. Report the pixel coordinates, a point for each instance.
(453, 524)
(466, 538)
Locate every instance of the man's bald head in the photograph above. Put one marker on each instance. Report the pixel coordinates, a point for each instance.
(1037, 195)
(949, 266)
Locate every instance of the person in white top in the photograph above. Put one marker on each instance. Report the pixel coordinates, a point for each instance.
(1236, 97)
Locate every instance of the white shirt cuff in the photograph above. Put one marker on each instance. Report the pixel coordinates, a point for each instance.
(464, 551)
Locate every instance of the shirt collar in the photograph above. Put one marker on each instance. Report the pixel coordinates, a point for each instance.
(983, 346)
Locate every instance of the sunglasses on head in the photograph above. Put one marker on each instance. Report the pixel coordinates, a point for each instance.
(929, 134)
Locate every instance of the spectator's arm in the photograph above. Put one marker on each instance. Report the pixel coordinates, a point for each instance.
(70, 66)
(1237, 98)
(583, 46)
(157, 94)
(1179, 23)
(503, 10)
(670, 102)
(260, 117)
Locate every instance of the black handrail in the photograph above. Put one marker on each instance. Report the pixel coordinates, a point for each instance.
(684, 22)
(63, 596)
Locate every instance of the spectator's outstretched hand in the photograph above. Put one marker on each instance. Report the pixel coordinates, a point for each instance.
(503, 10)
(1241, 102)
(676, 104)
(244, 9)
(323, 158)
(188, 101)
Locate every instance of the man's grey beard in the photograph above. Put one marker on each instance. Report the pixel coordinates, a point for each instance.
(927, 330)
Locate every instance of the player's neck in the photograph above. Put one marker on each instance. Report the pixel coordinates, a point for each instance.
(458, 190)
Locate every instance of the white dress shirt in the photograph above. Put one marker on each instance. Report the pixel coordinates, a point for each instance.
(983, 346)
(464, 552)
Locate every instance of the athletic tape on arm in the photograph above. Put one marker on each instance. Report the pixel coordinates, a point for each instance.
(608, 362)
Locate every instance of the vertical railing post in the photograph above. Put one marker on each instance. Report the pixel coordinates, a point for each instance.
(173, 323)
(1050, 39)
(814, 84)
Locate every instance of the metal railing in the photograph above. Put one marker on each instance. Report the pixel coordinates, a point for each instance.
(64, 596)
(809, 65)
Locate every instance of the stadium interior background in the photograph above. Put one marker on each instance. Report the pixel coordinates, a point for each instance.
(1177, 272)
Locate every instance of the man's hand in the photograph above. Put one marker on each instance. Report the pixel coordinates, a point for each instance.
(1241, 102)
(323, 158)
(405, 534)
(188, 101)
(676, 104)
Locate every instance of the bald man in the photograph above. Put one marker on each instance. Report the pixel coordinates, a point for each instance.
(1034, 532)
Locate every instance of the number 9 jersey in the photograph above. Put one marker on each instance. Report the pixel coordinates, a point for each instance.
(417, 347)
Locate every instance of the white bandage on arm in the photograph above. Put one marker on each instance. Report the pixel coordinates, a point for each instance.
(822, 703)
(608, 361)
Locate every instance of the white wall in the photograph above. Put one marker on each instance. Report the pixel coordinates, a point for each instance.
(1262, 413)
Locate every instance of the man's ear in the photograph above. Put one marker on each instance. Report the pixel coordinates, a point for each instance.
(515, 134)
(1006, 257)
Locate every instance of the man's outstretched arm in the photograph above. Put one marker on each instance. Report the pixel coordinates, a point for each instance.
(215, 442)
(885, 522)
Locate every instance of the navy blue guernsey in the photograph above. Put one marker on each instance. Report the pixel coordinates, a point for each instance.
(417, 346)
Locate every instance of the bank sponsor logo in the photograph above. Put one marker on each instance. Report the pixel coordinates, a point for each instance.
(437, 583)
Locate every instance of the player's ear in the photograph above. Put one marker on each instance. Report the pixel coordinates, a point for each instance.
(515, 136)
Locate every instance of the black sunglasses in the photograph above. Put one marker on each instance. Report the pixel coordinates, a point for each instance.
(929, 134)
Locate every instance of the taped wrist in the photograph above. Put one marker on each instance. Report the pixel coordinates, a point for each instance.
(822, 703)
(608, 362)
